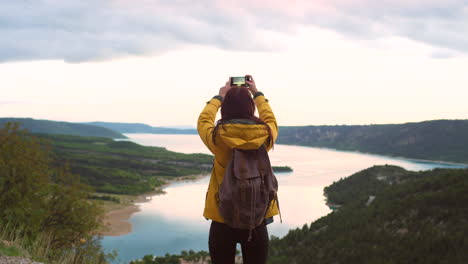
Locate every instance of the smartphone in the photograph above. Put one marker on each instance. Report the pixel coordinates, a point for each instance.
(239, 81)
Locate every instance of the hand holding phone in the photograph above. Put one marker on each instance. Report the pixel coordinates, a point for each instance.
(245, 81)
(223, 90)
(251, 84)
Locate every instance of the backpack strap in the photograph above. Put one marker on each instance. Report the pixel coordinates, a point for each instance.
(261, 166)
(252, 212)
(277, 204)
(254, 198)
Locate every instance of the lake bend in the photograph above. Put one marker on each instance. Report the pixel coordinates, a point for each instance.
(173, 222)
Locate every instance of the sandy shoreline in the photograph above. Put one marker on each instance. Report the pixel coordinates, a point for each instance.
(117, 221)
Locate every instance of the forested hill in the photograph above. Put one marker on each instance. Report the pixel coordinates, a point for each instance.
(123, 167)
(63, 128)
(444, 140)
(143, 128)
(416, 217)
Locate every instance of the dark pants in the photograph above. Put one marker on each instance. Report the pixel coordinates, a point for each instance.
(223, 239)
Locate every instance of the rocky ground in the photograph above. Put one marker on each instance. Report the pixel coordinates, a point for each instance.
(16, 260)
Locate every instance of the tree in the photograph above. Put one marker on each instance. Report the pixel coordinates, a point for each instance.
(70, 217)
(42, 201)
(24, 179)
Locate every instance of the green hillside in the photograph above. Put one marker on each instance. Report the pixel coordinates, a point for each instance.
(123, 167)
(45, 212)
(416, 217)
(63, 128)
(443, 140)
(280, 169)
(368, 182)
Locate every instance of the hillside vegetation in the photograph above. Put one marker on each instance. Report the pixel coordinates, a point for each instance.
(45, 213)
(64, 128)
(117, 167)
(368, 182)
(123, 167)
(443, 140)
(416, 217)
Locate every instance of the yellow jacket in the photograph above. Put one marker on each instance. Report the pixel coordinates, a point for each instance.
(240, 134)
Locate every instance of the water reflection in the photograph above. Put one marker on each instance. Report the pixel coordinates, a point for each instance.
(174, 221)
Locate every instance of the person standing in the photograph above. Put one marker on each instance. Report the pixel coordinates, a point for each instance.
(238, 128)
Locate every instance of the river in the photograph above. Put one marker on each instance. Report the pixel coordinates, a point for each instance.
(173, 222)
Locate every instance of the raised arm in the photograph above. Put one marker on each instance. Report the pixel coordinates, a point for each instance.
(264, 109)
(205, 125)
(266, 114)
(206, 120)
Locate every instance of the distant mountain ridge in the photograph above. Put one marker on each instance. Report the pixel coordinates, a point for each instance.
(63, 128)
(143, 128)
(443, 140)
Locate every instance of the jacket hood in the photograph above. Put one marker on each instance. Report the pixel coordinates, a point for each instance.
(243, 134)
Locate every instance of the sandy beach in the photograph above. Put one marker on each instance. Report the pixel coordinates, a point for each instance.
(117, 221)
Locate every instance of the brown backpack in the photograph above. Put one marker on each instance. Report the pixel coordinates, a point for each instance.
(248, 189)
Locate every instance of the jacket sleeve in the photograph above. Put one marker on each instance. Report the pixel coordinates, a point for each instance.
(205, 125)
(266, 114)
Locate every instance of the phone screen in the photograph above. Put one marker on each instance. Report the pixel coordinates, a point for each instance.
(237, 81)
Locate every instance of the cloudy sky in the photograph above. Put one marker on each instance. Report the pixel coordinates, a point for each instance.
(159, 61)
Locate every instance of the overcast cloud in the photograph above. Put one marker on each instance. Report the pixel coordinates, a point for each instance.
(77, 31)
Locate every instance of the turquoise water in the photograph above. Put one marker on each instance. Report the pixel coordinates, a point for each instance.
(173, 222)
